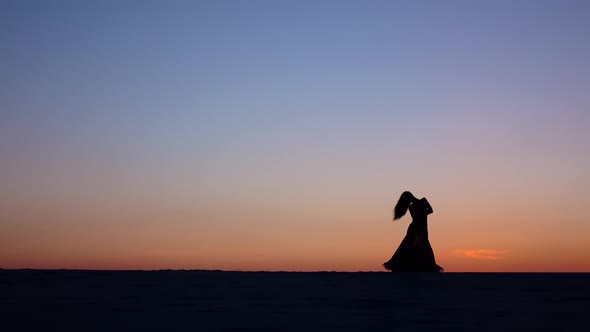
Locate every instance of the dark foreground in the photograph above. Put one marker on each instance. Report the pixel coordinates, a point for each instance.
(62, 300)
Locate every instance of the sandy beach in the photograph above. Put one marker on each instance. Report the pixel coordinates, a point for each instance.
(73, 300)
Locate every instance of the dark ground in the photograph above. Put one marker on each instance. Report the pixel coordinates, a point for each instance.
(69, 300)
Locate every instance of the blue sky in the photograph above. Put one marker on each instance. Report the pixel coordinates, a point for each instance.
(221, 105)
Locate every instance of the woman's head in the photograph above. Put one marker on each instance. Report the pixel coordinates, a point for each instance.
(403, 204)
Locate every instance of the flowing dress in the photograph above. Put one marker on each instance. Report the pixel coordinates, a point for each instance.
(415, 253)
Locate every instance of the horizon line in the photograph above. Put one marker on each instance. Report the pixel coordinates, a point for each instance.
(276, 271)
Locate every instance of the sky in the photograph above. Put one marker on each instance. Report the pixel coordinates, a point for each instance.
(278, 135)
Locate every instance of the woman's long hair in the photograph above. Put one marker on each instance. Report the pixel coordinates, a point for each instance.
(403, 204)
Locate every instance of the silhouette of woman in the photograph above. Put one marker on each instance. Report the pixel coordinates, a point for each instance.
(415, 253)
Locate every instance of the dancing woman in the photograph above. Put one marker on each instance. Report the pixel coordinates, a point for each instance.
(415, 253)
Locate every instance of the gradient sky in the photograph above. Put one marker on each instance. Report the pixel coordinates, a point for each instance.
(277, 135)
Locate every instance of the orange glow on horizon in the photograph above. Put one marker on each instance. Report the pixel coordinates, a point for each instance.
(357, 237)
